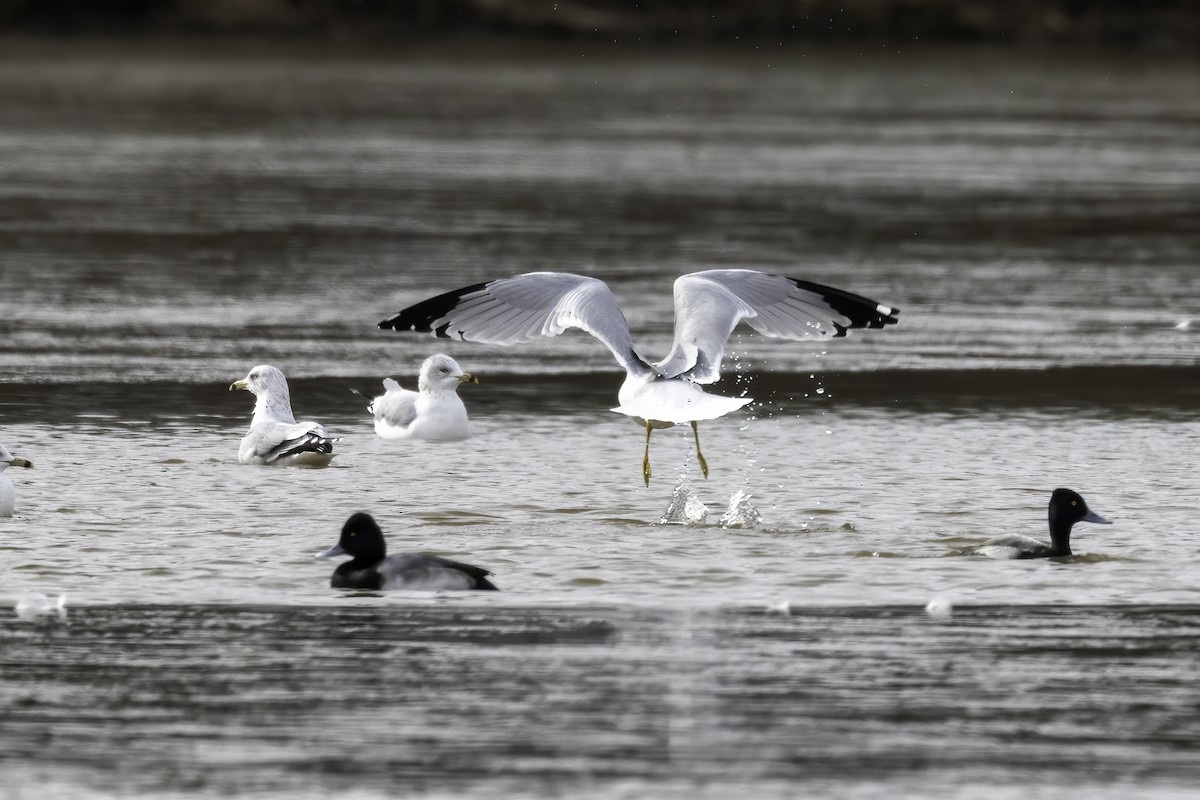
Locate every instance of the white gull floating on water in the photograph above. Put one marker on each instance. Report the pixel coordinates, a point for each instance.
(708, 305)
(434, 412)
(275, 437)
(35, 606)
(8, 496)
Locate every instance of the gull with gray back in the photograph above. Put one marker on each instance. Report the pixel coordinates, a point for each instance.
(275, 437)
(433, 413)
(708, 306)
(8, 496)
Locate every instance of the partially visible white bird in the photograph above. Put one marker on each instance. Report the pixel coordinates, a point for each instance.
(275, 437)
(708, 305)
(434, 412)
(782, 608)
(36, 605)
(8, 498)
(939, 608)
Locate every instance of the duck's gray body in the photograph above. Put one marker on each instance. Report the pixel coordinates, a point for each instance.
(1065, 509)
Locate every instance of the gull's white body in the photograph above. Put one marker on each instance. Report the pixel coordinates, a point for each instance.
(275, 437)
(434, 412)
(672, 401)
(8, 496)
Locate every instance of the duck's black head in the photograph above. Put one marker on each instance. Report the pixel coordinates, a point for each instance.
(360, 539)
(1067, 508)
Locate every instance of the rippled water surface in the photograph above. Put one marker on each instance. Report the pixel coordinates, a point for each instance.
(170, 218)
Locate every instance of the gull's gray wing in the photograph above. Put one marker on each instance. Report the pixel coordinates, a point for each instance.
(709, 305)
(397, 406)
(525, 307)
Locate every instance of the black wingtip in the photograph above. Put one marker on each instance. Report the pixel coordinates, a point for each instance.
(423, 316)
(862, 312)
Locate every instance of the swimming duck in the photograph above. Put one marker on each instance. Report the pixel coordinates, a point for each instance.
(275, 438)
(373, 568)
(1066, 508)
(434, 412)
(7, 495)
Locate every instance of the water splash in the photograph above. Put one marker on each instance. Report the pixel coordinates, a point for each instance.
(685, 508)
(741, 513)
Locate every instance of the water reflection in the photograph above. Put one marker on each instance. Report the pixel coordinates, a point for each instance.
(438, 698)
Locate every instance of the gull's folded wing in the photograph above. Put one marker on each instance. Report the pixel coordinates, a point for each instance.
(290, 440)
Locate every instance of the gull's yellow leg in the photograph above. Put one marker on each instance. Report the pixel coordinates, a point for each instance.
(646, 457)
(699, 455)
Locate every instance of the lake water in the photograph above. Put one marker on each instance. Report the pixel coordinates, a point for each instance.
(171, 217)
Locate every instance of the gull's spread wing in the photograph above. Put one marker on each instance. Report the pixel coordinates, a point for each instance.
(709, 305)
(525, 307)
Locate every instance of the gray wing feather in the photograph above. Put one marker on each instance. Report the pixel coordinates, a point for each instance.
(287, 440)
(398, 407)
(523, 308)
(710, 304)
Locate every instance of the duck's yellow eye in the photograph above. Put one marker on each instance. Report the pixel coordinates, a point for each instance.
(355, 533)
(1074, 502)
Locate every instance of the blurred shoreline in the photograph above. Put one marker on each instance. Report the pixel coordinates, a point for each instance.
(1170, 26)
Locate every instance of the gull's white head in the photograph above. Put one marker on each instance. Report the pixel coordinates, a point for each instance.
(270, 388)
(441, 373)
(7, 459)
(262, 380)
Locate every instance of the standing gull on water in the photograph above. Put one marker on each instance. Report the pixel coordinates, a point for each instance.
(8, 497)
(434, 412)
(708, 305)
(1066, 508)
(372, 568)
(275, 438)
